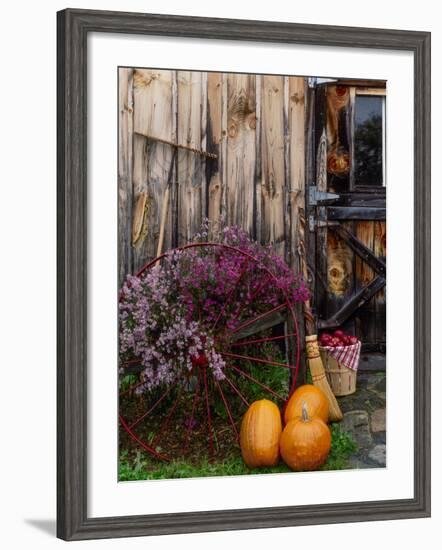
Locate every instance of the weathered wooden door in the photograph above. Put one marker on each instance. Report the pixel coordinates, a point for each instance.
(346, 207)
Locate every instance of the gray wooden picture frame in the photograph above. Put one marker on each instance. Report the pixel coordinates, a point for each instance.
(73, 28)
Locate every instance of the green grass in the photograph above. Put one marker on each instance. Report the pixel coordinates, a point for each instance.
(343, 446)
(141, 466)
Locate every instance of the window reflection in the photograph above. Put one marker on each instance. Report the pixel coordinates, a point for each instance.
(369, 140)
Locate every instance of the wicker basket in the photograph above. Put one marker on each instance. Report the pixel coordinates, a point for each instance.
(342, 380)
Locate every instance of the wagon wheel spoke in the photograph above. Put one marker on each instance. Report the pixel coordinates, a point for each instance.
(262, 340)
(146, 447)
(154, 406)
(226, 406)
(132, 388)
(236, 390)
(166, 421)
(209, 415)
(192, 416)
(253, 379)
(256, 360)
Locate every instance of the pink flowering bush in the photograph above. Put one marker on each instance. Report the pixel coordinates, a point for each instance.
(176, 313)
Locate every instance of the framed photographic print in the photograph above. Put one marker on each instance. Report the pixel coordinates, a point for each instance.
(236, 348)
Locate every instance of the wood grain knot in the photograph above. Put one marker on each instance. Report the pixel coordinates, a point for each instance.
(251, 119)
(297, 98)
(341, 90)
(233, 130)
(143, 78)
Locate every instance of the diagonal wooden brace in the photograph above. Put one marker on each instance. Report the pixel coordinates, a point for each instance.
(360, 249)
(356, 301)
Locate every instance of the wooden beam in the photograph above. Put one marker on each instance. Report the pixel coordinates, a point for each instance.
(362, 83)
(362, 199)
(356, 213)
(358, 300)
(366, 90)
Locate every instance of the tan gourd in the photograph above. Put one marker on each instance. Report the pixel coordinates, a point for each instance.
(260, 433)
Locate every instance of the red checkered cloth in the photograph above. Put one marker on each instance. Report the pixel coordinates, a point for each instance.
(346, 355)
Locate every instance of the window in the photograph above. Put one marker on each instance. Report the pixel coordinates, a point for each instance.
(369, 140)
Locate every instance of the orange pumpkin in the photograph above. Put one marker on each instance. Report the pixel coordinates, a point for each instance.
(260, 433)
(305, 442)
(315, 400)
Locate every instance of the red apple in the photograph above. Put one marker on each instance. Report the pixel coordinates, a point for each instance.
(339, 334)
(352, 340)
(325, 338)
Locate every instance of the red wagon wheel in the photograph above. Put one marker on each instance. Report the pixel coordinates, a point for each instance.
(201, 411)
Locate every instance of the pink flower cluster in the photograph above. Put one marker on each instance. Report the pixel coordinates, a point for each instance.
(173, 312)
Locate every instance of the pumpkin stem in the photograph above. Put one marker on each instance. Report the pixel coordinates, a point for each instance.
(305, 417)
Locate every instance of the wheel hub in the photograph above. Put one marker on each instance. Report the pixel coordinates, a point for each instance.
(199, 360)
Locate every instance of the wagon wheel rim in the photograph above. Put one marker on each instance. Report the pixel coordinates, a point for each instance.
(234, 350)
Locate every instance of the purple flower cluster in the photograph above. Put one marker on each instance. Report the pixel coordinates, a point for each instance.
(172, 314)
(258, 277)
(155, 329)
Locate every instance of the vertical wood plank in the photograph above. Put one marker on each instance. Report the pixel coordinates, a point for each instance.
(214, 129)
(321, 181)
(203, 145)
(257, 229)
(189, 164)
(350, 324)
(287, 182)
(310, 176)
(340, 275)
(295, 145)
(125, 156)
(339, 120)
(290, 349)
(380, 250)
(339, 257)
(241, 127)
(272, 147)
(365, 317)
(175, 183)
(296, 141)
(351, 119)
(223, 146)
(153, 117)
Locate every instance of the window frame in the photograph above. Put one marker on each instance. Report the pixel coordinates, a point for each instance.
(367, 91)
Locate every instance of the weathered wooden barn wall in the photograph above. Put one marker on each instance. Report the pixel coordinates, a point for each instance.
(258, 127)
(255, 125)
